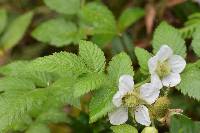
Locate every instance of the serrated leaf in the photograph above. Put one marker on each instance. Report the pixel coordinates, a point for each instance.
(182, 124)
(196, 41)
(18, 103)
(68, 7)
(168, 35)
(128, 17)
(20, 69)
(62, 92)
(92, 56)
(52, 116)
(56, 32)
(38, 128)
(12, 83)
(87, 83)
(143, 56)
(3, 19)
(125, 128)
(101, 103)
(102, 39)
(119, 65)
(190, 82)
(98, 18)
(16, 31)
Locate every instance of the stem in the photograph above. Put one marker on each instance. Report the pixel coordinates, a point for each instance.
(141, 83)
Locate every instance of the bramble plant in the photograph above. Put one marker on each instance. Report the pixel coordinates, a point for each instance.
(134, 90)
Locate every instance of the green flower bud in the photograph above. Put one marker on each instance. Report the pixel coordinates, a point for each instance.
(149, 130)
(161, 107)
(163, 69)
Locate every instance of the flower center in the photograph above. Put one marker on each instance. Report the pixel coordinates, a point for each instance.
(163, 69)
(131, 99)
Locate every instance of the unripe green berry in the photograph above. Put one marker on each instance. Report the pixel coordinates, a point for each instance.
(161, 107)
(149, 130)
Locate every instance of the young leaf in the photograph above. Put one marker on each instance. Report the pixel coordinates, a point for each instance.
(101, 103)
(92, 56)
(143, 56)
(99, 18)
(119, 65)
(166, 34)
(190, 82)
(88, 83)
(125, 128)
(128, 17)
(182, 124)
(16, 31)
(68, 7)
(57, 32)
(3, 19)
(196, 41)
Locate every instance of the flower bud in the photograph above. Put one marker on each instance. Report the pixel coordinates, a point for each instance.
(161, 107)
(149, 130)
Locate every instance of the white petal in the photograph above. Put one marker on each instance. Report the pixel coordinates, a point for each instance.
(126, 83)
(142, 115)
(164, 53)
(117, 99)
(152, 64)
(171, 80)
(118, 116)
(156, 80)
(177, 63)
(149, 92)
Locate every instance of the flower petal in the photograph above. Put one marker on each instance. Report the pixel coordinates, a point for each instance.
(126, 84)
(152, 64)
(177, 63)
(171, 80)
(117, 99)
(118, 116)
(164, 53)
(149, 92)
(142, 115)
(156, 80)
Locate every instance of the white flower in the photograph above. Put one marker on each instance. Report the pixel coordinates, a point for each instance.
(165, 68)
(148, 93)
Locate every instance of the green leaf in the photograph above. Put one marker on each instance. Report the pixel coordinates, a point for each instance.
(98, 18)
(56, 32)
(190, 82)
(52, 116)
(119, 65)
(125, 128)
(16, 31)
(102, 39)
(196, 41)
(128, 17)
(38, 128)
(166, 34)
(20, 69)
(88, 83)
(101, 103)
(3, 19)
(143, 56)
(68, 7)
(17, 103)
(92, 56)
(182, 124)
(62, 92)
(12, 83)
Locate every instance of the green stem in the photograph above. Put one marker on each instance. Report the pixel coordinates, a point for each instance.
(141, 83)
